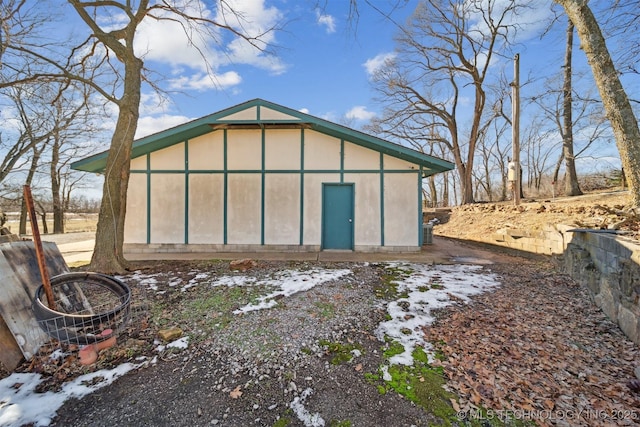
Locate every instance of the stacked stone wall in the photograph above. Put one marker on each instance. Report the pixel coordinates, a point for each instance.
(605, 263)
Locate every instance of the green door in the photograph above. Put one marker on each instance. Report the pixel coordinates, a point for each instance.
(337, 216)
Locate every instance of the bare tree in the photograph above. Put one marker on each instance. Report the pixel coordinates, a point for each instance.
(443, 56)
(30, 128)
(71, 115)
(572, 188)
(614, 98)
(107, 61)
(35, 162)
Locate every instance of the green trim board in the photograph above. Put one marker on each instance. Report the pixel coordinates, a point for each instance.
(148, 199)
(303, 139)
(186, 192)
(262, 182)
(301, 187)
(275, 171)
(381, 199)
(381, 172)
(431, 165)
(225, 191)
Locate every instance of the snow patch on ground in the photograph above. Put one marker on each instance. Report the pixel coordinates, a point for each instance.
(303, 414)
(428, 288)
(21, 405)
(286, 283)
(145, 280)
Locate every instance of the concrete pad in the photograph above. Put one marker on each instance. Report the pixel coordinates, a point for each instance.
(442, 251)
(79, 248)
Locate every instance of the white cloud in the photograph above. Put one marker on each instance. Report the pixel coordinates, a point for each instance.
(530, 19)
(149, 125)
(202, 82)
(374, 64)
(360, 113)
(152, 103)
(327, 21)
(330, 116)
(252, 18)
(194, 48)
(304, 110)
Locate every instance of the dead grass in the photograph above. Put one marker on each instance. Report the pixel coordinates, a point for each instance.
(74, 223)
(479, 221)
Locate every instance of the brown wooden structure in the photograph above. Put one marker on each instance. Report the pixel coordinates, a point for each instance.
(20, 335)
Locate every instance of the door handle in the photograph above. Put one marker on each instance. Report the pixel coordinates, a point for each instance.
(350, 220)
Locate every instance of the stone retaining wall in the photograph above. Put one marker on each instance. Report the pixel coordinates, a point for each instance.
(607, 264)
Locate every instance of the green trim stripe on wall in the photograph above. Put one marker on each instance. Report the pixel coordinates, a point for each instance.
(148, 172)
(262, 178)
(341, 160)
(341, 174)
(420, 232)
(381, 199)
(186, 191)
(302, 186)
(201, 126)
(225, 151)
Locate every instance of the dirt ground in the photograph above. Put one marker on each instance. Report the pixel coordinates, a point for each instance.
(605, 209)
(535, 349)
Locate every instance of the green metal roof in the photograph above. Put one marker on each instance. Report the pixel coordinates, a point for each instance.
(206, 124)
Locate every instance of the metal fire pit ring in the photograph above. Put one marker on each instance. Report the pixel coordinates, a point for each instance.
(88, 305)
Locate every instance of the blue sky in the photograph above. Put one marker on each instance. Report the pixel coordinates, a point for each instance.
(320, 66)
(321, 61)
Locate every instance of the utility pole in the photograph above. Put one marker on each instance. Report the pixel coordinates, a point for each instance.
(515, 129)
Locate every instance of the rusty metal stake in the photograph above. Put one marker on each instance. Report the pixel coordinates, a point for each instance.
(46, 282)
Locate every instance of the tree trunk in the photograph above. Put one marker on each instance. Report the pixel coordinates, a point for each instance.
(571, 182)
(43, 217)
(35, 160)
(107, 254)
(445, 190)
(433, 190)
(58, 211)
(614, 98)
(556, 168)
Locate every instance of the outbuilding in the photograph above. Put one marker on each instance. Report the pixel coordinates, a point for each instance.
(263, 177)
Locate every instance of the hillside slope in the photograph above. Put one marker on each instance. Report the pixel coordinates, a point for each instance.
(610, 210)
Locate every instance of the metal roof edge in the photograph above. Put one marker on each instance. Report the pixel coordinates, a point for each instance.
(97, 162)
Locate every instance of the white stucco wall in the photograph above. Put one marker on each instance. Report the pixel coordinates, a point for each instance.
(248, 114)
(135, 223)
(398, 164)
(167, 204)
(321, 151)
(244, 150)
(286, 189)
(282, 209)
(139, 163)
(206, 152)
(357, 157)
(282, 149)
(206, 208)
(170, 158)
(401, 209)
(269, 114)
(244, 208)
(367, 208)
